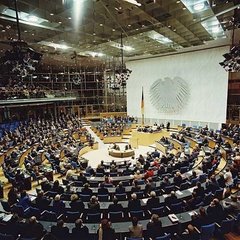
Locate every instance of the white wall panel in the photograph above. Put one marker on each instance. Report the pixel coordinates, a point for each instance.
(189, 86)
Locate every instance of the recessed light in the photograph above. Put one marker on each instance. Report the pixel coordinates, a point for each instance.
(101, 24)
(137, 29)
(69, 18)
(25, 31)
(199, 6)
(169, 26)
(32, 34)
(60, 22)
(129, 25)
(32, 18)
(113, 30)
(51, 14)
(94, 34)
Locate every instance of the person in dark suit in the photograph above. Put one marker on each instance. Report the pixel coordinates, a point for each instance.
(171, 199)
(221, 181)
(45, 185)
(215, 211)
(80, 231)
(177, 179)
(154, 227)
(212, 185)
(42, 202)
(33, 229)
(134, 204)
(105, 232)
(93, 205)
(120, 189)
(86, 190)
(57, 188)
(58, 205)
(153, 202)
(102, 190)
(135, 187)
(60, 231)
(199, 190)
(76, 204)
(115, 206)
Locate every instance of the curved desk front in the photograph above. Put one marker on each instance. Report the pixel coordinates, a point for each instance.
(121, 153)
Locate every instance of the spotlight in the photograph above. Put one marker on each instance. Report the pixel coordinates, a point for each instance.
(231, 62)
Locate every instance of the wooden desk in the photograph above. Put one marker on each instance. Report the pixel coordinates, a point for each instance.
(161, 147)
(113, 139)
(177, 144)
(121, 153)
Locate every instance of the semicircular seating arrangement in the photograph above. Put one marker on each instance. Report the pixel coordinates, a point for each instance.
(176, 186)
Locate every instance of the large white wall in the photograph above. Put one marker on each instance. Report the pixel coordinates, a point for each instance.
(188, 87)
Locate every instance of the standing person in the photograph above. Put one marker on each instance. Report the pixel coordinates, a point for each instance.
(105, 232)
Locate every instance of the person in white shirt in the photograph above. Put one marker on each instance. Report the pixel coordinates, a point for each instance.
(228, 178)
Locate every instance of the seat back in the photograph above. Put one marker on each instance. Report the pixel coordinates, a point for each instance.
(159, 211)
(177, 207)
(6, 206)
(227, 225)
(207, 231)
(137, 214)
(6, 237)
(116, 216)
(184, 186)
(166, 237)
(121, 196)
(169, 189)
(49, 216)
(71, 216)
(85, 198)
(103, 198)
(93, 217)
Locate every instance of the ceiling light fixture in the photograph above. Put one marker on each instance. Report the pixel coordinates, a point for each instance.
(199, 6)
(134, 2)
(32, 18)
(121, 73)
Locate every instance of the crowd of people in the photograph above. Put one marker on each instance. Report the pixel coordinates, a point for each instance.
(152, 176)
(114, 126)
(21, 91)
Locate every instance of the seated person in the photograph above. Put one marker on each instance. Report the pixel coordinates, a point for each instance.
(120, 189)
(93, 205)
(153, 202)
(134, 204)
(154, 227)
(171, 199)
(215, 211)
(102, 190)
(233, 206)
(76, 204)
(60, 231)
(58, 205)
(115, 206)
(136, 230)
(80, 231)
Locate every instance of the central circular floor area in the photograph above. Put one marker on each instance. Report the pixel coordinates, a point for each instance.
(96, 156)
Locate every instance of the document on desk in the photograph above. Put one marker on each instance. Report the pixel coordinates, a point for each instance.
(179, 192)
(173, 218)
(192, 213)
